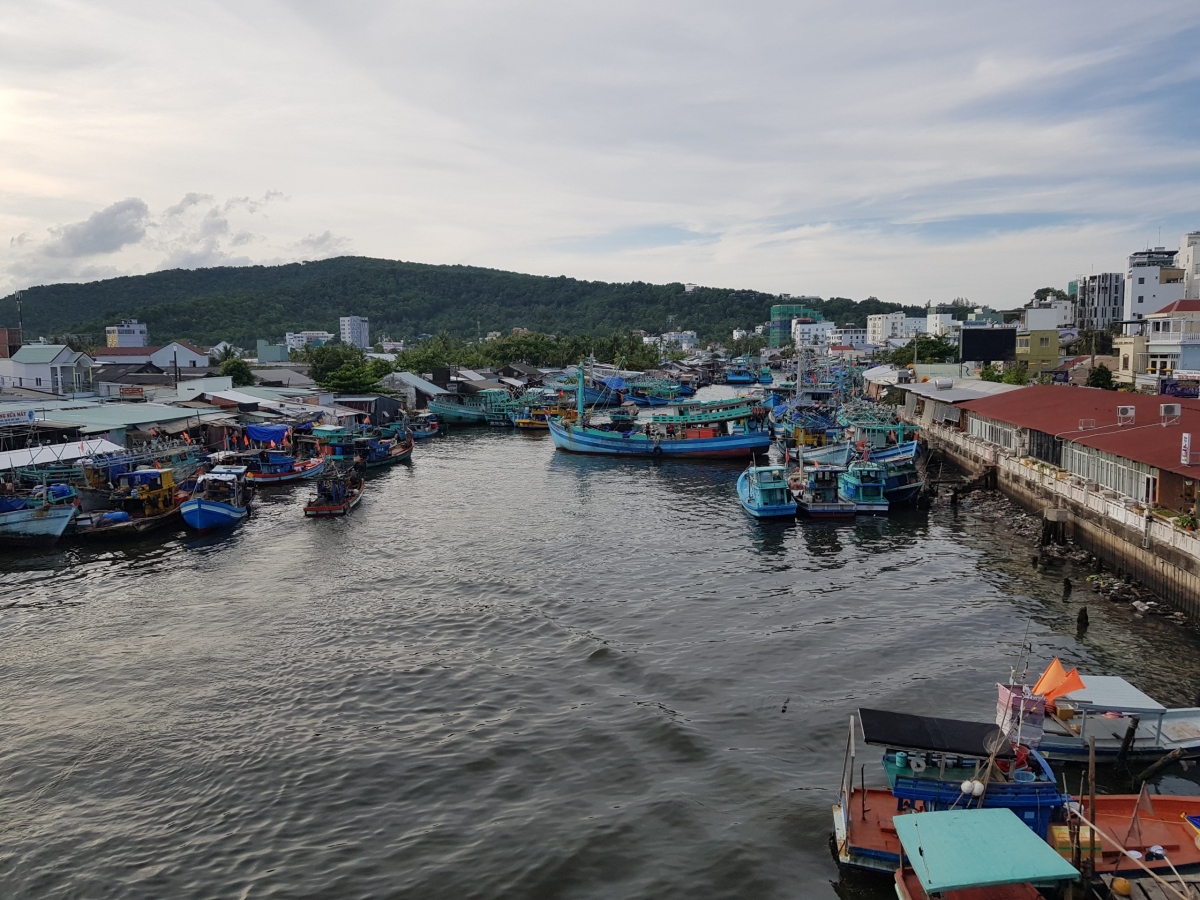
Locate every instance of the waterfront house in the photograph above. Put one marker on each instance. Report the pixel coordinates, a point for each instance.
(52, 368)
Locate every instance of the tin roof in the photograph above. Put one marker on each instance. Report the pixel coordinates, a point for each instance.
(1058, 410)
(957, 849)
(1111, 692)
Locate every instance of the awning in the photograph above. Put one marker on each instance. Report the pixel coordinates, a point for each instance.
(904, 731)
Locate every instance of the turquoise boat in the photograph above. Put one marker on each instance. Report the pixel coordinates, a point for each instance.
(763, 492)
(862, 484)
(764, 376)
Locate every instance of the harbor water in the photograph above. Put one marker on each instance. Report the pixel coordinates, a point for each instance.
(510, 673)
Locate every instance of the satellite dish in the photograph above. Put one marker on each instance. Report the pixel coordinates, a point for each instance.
(995, 741)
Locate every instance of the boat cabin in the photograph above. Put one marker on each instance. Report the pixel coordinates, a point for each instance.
(224, 484)
(144, 492)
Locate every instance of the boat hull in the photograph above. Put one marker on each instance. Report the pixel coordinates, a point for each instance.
(332, 510)
(575, 440)
(310, 471)
(759, 511)
(209, 515)
(458, 414)
(826, 510)
(41, 526)
(94, 530)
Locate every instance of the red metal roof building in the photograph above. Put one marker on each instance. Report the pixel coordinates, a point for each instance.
(1079, 429)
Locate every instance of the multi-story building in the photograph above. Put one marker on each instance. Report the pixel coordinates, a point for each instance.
(128, 333)
(354, 331)
(1064, 311)
(783, 315)
(939, 321)
(1099, 300)
(687, 340)
(298, 340)
(1037, 340)
(847, 336)
(807, 333)
(1152, 282)
(1189, 261)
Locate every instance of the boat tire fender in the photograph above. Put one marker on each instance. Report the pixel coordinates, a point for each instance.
(657, 450)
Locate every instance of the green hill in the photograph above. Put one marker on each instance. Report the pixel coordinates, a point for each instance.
(402, 299)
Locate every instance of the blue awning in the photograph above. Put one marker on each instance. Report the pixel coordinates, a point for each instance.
(265, 434)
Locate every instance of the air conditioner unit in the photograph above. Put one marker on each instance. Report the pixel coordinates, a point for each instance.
(1170, 410)
(1126, 415)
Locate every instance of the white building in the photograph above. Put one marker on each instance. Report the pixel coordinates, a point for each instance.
(53, 368)
(806, 333)
(1064, 312)
(127, 333)
(883, 327)
(1189, 261)
(739, 333)
(1152, 281)
(938, 323)
(687, 340)
(167, 357)
(298, 340)
(354, 331)
(848, 336)
(1100, 300)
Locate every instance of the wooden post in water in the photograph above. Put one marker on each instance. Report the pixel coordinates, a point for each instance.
(1127, 741)
(1090, 865)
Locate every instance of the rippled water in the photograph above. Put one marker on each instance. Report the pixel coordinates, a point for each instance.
(510, 673)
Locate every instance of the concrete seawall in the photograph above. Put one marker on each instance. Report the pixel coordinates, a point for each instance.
(1125, 535)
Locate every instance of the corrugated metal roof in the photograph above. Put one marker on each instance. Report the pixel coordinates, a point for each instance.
(415, 381)
(56, 453)
(1058, 409)
(38, 353)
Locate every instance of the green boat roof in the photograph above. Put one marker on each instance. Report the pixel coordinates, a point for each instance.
(699, 418)
(955, 849)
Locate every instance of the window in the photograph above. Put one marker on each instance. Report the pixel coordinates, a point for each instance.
(37, 382)
(1125, 363)
(1141, 298)
(193, 364)
(1043, 342)
(1141, 281)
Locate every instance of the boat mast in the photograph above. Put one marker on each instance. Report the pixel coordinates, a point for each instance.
(579, 394)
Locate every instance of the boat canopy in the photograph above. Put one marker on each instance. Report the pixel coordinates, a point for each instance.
(1111, 692)
(223, 473)
(264, 434)
(929, 734)
(613, 384)
(958, 849)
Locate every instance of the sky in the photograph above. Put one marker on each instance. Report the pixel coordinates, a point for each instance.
(912, 151)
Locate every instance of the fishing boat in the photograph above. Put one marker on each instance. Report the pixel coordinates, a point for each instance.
(336, 494)
(739, 374)
(40, 516)
(421, 426)
(459, 409)
(376, 452)
(728, 433)
(934, 764)
(624, 415)
(1070, 708)
(141, 501)
(862, 485)
(902, 481)
(816, 491)
(764, 376)
(838, 453)
(267, 467)
(221, 498)
(975, 854)
(763, 492)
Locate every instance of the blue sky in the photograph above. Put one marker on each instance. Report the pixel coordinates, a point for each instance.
(910, 151)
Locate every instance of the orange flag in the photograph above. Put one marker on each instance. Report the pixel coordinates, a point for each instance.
(1051, 678)
(1070, 683)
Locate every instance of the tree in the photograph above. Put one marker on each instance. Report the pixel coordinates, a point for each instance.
(328, 358)
(1049, 293)
(928, 349)
(355, 378)
(239, 371)
(1018, 374)
(991, 373)
(1101, 377)
(226, 353)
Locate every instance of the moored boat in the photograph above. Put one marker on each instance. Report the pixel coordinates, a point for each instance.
(38, 517)
(422, 426)
(336, 494)
(220, 499)
(816, 491)
(141, 501)
(763, 492)
(862, 485)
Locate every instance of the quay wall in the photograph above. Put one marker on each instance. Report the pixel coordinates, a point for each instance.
(1124, 534)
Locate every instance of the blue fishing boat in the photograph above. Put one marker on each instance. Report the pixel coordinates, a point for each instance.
(727, 433)
(739, 374)
(902, 479)
(764, 376)
(816, 491)
(936, 764)
(763, 492)
(838, 453)
(220, 499)
(862, 485)
(39, 517)
(422, 426)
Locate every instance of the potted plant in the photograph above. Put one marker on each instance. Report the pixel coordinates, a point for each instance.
(1187, 522)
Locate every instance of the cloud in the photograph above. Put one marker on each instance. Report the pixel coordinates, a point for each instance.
(189, 200)
(105, 231)
(253, 204)
(315, 246)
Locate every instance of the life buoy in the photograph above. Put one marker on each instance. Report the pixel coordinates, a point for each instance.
(657, 451)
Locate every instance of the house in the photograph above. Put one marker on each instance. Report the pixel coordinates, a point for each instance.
(53, 368)
(415, 390)
(521, 372)
(166, 357)
(1134, 445)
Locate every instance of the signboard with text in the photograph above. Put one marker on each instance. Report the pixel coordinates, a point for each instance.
(16, 417)
(1185, 455)
(1180, 387)
(133, 393)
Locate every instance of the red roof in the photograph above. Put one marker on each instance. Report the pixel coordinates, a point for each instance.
(1179, 306)
(1058, 410)
(126, 351)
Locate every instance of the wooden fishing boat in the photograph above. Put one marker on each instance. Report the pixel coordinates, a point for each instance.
(932, 764)
(267, 467)
(222, 498)
(763, 492)
(37, 517)
(862, 484)
(336, 494)
(422, 426)
(975, 854)
(143, 500)
(816, 491)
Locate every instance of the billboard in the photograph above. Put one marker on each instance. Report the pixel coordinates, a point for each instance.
(988, 344)
(1180, 387)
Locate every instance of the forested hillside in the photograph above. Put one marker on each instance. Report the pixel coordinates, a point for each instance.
(402, 299)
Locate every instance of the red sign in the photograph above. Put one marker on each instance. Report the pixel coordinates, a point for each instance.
(133, 393)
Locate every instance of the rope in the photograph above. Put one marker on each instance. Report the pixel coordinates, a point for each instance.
(1166, 885)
